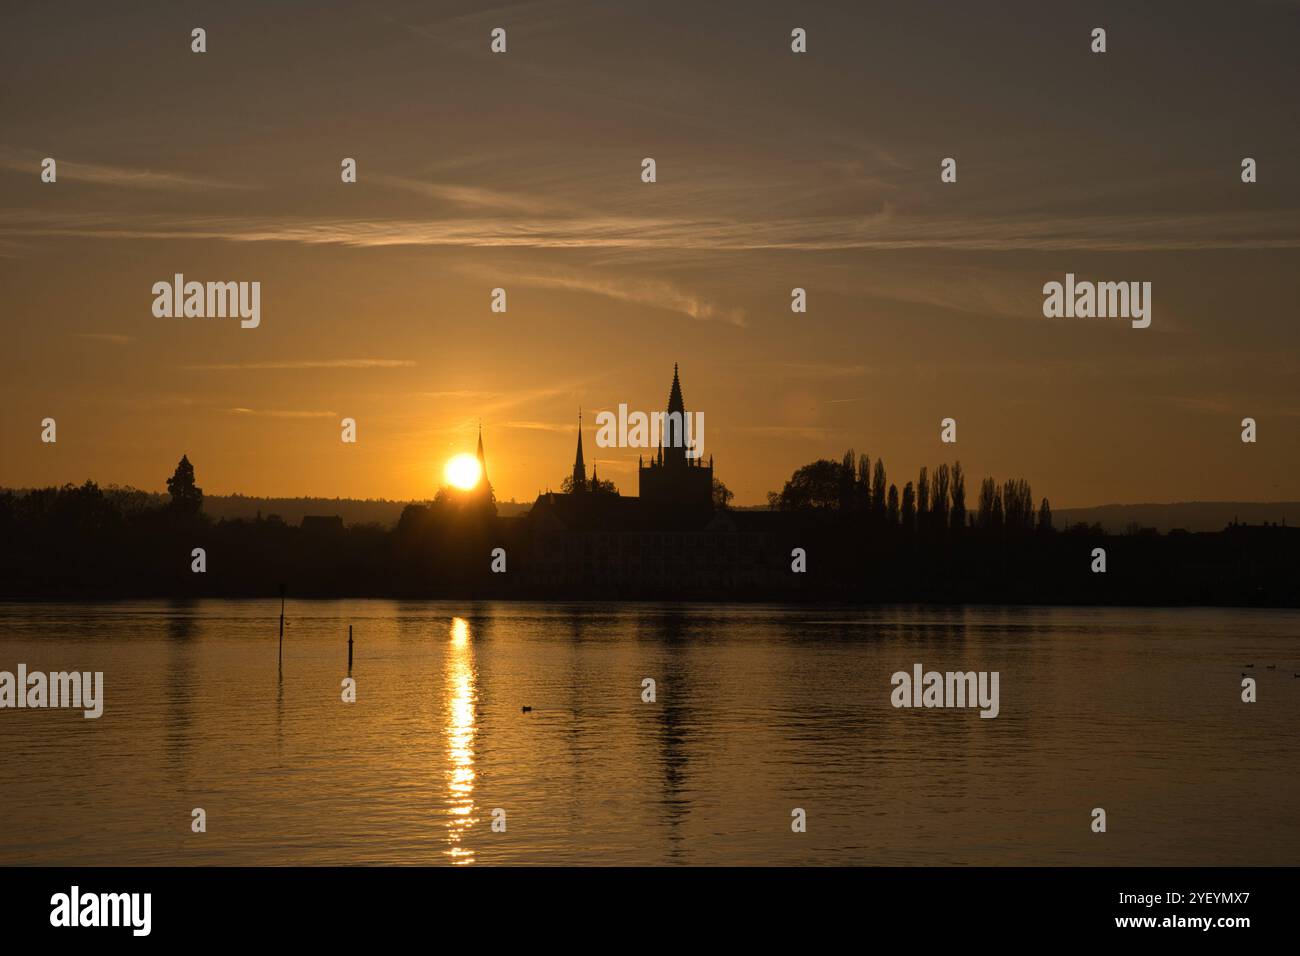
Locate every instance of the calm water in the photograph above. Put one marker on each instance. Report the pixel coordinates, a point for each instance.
(759, 710)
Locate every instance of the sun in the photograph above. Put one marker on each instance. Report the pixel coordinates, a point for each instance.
(463, 472)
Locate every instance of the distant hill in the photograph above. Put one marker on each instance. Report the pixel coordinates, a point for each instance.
(1188, 515)
(379, 511)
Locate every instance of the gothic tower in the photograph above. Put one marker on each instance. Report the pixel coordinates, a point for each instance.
(677, 488)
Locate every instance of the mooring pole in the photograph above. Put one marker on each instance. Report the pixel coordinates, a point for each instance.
(349, 648)
(281, 625)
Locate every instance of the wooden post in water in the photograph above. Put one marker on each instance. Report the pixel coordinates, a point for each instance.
(282, 625)
(349, 648)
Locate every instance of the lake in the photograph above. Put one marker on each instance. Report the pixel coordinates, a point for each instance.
(758, 710)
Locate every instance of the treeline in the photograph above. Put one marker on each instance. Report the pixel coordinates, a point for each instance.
(862, 539)
(858, 490)
(934, 540)
(82, 542)
(85, 542)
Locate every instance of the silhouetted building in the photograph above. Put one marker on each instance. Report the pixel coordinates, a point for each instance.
(579, 483)
(676, 488)
(324, 524)
(664, 538)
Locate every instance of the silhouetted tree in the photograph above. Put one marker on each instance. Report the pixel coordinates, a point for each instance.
(923, 500)
(815, 486)
(597, 486)
(1044, 516)
(988, 491)
(1018, 505)
(848, 488)
(187, 498)
(891, 515)
(939, 498)
(958, 520)
(477, 501)
(722, 495)
(878, 491)
(908, 515)
(862, 486)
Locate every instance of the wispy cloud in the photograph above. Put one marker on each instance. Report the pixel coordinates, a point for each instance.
(888, 230)
(815, 370)
(278, 413)
(655, 293)
(127, 177)
(112, 338)
(501, 402)
(308, 364)
(805, 432)
(468, 197)
(1230, 406)
(539, 426)
(455, 393)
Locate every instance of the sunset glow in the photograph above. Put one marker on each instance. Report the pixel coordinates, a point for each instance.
(463, 472)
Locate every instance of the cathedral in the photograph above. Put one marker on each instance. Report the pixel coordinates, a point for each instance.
(675, 490)
(674, 483)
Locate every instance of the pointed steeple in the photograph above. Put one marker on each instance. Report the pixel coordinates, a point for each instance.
(579, 466)
(673, 439)
(482, 460)
(675, 403)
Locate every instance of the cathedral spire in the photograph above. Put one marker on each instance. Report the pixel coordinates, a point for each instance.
(673, 438)
(579, 467)
(482, 459)
(675, 403)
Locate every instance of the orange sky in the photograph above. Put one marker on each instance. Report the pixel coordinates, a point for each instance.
(774, 171)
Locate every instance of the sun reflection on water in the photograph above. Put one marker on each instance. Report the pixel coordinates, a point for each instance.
(461, 701)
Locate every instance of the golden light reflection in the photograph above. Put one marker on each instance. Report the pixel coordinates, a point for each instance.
(461, 702)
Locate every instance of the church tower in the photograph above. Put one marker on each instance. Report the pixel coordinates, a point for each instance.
(676, 488)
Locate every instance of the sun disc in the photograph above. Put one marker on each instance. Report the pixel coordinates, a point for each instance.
(463, 472)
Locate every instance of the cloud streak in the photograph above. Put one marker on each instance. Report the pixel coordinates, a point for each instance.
(468, 197)
(111, 338)
(276, 413)
(308, 364)
(654, 293)
(1278, 229)
(116, 176)
(540, 426)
